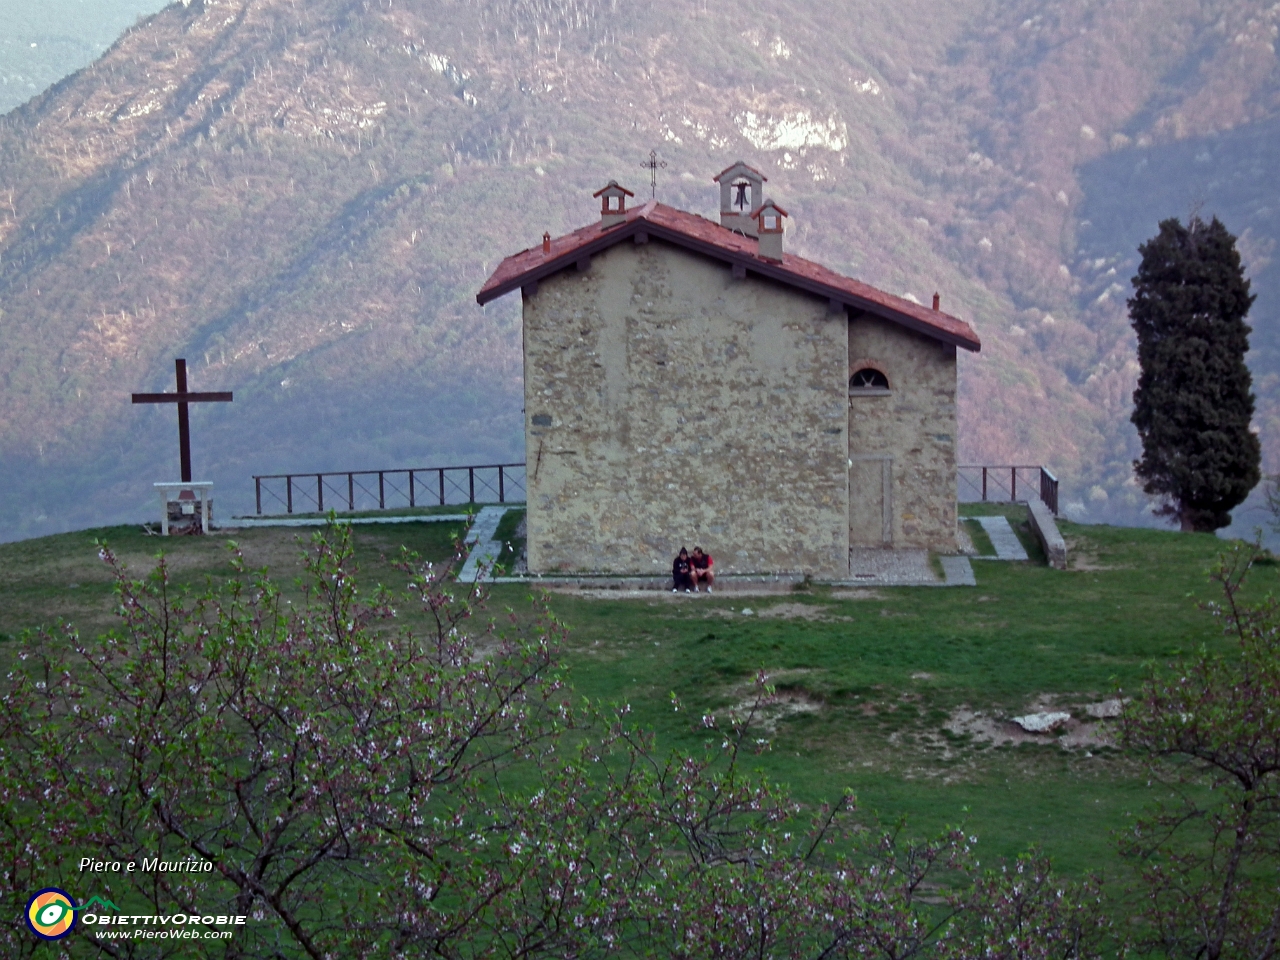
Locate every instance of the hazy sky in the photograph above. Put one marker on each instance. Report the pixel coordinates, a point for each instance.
(41, 41)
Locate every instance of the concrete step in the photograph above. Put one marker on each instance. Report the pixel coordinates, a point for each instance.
(1006, 542)
(484, 549)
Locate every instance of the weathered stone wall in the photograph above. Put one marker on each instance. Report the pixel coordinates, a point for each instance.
(669, 404)
(907, 433)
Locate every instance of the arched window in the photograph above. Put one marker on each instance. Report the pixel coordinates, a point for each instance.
(869, 380)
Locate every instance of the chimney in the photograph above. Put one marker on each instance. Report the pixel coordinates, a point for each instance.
(741, 191)
(768, 219)
(613, 204)
(937, 301)
(546, 243)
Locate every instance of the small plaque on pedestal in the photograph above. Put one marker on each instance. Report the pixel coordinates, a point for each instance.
(185, 503)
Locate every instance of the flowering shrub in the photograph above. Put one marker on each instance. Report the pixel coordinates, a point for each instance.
(364, 790)
(1209, 857)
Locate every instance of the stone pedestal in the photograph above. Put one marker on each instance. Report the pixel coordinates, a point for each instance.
(181, 500)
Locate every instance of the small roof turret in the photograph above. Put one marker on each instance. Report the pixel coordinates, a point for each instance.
(768, 219)
(741, 191)
(613, 204)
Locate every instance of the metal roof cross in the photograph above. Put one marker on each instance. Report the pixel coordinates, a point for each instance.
(182, 398)
(652, 165)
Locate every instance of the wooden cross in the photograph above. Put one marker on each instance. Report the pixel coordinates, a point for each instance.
(652, 165)
(182, 398)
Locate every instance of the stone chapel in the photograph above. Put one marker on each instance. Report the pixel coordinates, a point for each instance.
(689, 382)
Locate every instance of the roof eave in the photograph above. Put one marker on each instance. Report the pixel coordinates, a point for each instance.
(608, 237)
(765, 268)
(780, 273)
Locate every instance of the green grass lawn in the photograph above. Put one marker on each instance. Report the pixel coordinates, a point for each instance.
(870, 678)
(61, 576)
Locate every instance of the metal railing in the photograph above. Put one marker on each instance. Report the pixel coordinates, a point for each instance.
(354, 490)
(1000, 484)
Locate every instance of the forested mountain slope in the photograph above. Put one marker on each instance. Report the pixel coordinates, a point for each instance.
(303, 197)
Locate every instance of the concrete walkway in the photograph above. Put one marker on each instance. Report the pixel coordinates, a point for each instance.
(1006, 542)
(484, 549)
(890, 568)
(905, 568)
(958, 571)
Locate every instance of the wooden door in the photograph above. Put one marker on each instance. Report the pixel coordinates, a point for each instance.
(870, 501)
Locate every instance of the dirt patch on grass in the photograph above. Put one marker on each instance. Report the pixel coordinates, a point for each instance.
(785, 703)
(572, 590)
(798, 611)
(664, 595)
(656, 598)
(1083, 730)
(708, 608)
(983, 728)
(856, 593)
(1079, 557)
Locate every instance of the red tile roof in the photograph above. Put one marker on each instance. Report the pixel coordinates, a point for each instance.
(704, 236)
(736, 166)
(614, 185)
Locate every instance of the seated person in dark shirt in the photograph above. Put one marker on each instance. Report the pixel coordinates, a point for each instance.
(681, 573)
(703, 571)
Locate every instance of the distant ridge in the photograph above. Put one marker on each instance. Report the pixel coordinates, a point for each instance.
(303, 199)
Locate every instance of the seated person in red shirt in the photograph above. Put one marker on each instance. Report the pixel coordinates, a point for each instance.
(681, 572)
(702, 569)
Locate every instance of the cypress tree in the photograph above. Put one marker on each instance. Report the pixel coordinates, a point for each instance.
(1193, 403)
